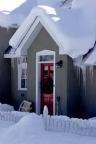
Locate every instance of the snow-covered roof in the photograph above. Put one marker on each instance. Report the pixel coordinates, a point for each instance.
(91, 60)
(74, 29)
(14, 12)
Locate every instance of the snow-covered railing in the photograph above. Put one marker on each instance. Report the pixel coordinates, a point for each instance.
(11, 116)
(71, 125)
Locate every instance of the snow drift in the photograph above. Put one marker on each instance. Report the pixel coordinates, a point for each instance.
(30, 129)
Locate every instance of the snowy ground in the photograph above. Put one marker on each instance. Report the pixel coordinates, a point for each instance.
(30, 130)
(5, 124)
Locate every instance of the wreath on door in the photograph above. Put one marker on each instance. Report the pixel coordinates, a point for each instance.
(47, 85)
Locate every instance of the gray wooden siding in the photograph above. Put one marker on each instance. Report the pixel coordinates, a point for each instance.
(16, 95)
(66, 87)
(5, 65)
(89, 93)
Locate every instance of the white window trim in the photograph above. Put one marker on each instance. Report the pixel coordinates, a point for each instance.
(19, 75)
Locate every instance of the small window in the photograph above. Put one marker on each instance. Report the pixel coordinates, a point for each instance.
(22, 73)
(46, 58)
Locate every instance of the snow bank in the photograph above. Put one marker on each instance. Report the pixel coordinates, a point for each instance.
(29, 126)
(6, 107)
(32, 120)
(30, 129)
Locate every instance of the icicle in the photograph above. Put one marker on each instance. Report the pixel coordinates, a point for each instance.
(91, 72)
(78, 63)
(80, 66)
(84, 77)
(84, 68)
(78, 73)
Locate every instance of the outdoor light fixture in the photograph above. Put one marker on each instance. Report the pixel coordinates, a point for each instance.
(59, 64)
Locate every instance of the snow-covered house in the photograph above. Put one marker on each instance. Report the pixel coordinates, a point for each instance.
(51, 46)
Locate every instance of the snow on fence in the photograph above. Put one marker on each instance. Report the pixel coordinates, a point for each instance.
(10, 116)
(71, 125)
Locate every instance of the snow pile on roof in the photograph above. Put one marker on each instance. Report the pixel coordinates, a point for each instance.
(26, 131)
(91, 60)
(73, 29)
(56, 3)
(13, 12)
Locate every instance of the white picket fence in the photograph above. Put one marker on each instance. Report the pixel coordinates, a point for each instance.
(69, 125)
(10, 116)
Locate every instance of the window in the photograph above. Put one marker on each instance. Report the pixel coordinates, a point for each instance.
(22, 73)
(46, 58)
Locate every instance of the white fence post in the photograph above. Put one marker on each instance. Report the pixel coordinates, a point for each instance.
(45, 115)
(9, 116)
(45, 111)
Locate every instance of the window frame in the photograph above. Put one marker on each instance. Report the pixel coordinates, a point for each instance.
(20, 63)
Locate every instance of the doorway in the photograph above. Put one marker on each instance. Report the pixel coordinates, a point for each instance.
(47, 78)
(45, 81)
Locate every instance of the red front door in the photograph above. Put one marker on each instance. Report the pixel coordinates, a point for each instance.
(47, 86)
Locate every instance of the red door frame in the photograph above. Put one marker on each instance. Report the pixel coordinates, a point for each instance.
(47, 99)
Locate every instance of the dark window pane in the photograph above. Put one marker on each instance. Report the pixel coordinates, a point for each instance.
(47, 58)
(23, 83)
